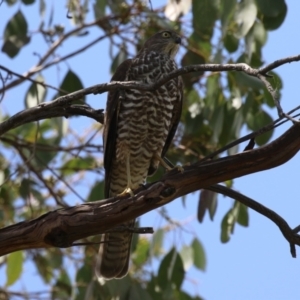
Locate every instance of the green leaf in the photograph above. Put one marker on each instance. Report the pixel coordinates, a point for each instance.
(245, 82)
(135, 239)
(11, 2)
(171, 270)
(278, 84)
(71, 83)
(119, 287)
(228, 222)
(192, 58)
(15, 35)
(254, 40)
(272, 23)
(36, 93)
(84, 275)
(153, 288)
(14, 267)
(245, 17)
(136, 292)
(25, 188)
(99, 8)
(119, 58)
(216, 123)
(259, 33)
(205, 14)
(170, 291)
(141, 254)
(43, 267)
(227, 8)
(78, 164)
(199, 255)
(83, 278)
(231, 43)
(157, 241)
(207, 201)
(257, 121)
(243, 216)
(60, 125)
(62, 289)
(42, 8)
(212, 208)
(16, 26)
(213, 91)
(271, 8)
(97, 191)
(28, 2)
(238, 213)
(184, 296)
(55, 258)
(187, 256)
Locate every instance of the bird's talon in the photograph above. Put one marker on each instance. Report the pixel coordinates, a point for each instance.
(128, 190)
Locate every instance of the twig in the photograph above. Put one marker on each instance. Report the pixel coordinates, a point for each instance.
(285, 229)
(264, 70)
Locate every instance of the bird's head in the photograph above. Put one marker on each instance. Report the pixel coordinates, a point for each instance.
(165, 41)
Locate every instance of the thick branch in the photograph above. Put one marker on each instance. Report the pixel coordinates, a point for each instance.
(62, 227)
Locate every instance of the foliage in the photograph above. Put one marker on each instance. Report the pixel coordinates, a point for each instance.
(43, 165)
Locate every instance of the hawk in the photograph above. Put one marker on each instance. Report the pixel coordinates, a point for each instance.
(138, 129)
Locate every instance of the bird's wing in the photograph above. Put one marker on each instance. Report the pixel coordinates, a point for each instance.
(175, 118)
(111, 122)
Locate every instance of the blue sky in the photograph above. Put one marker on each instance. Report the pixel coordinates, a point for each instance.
(256, 263)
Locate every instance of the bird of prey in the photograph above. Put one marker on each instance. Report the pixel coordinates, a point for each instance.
(138, 129)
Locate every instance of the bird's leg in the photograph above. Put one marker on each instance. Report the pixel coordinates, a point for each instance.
(128, 189)
(167, 165)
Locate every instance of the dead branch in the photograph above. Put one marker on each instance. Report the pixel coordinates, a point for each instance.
(62, 227)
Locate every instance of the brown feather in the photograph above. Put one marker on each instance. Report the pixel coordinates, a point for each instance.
(111, 122)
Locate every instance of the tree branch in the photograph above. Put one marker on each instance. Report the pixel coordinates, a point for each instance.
(48, 110)
(62, 227)
(285, 229)
(53, 108)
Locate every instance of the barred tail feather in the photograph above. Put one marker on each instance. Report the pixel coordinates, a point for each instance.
(113, 257)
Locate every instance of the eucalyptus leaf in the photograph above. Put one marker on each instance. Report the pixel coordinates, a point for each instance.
(15, 35)
(245, 17)
(199, 255)
(14, 267)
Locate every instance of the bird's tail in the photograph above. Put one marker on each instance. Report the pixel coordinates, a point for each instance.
(113, 258)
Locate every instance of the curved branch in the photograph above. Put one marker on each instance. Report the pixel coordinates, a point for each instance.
(62, 227)
(285, 229)
(45, 111)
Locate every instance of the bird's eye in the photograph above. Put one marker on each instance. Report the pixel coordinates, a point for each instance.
(166, 34)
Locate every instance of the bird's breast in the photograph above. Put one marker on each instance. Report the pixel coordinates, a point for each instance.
(145, 118)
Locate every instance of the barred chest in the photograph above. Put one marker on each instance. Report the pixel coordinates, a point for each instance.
(145, 116)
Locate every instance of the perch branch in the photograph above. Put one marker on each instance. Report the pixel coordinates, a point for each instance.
(61, 228)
